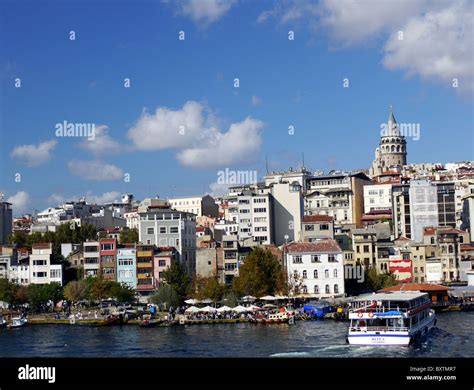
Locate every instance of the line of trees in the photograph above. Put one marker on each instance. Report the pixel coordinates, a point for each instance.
(37, 296)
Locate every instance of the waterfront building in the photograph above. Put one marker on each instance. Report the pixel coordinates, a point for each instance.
(108, 252)
(318, 265)
(127, 266)
(391, 154)
(255, 217)
(91, 251)
(315, 227)
(41, 269)
(162, 226)
(229, 259)
(6, 221)
(162, 260)
(198, 205)
(145, 274)
(339, 195)
(206, 262)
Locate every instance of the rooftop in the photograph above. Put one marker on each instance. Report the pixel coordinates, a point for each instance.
(416, 287)
(391, 296)
(323, 245)
(317, 218)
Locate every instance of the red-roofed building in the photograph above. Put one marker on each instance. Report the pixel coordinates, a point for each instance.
(317, 226)
(315, 269)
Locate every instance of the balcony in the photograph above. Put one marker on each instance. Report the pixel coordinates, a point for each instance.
(144, 254)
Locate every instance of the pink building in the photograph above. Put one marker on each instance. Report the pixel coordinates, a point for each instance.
(162, 260)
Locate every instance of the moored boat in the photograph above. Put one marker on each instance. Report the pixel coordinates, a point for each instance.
(398, 318)
(17, 322)
(150, 322)
(274, 318)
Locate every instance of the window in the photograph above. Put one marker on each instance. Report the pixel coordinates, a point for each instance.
(39, 274)
(327, 289)
(260, 210)
(332, 259)
(324, 226)
(162, 263)
(107, 247)
(150, 230)
(173, 229)
(309, 228)
(305, 274)
(335, 273)
(336, 289)
(297, 260)
(326, 273)
(315, 259)
(316, 289)
(315, 273)
(162, 229)
(305, 289)
(39, 262)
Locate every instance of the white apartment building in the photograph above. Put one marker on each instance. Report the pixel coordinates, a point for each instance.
(91, 258)
(132, 218)
(377, 197)
(318, 265)
(41, 269)
(255, 212)
(339, 195)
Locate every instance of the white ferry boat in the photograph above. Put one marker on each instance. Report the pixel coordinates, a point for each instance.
(398, 318)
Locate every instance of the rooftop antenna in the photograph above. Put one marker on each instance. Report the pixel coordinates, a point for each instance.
(302, 167)
(266, 164)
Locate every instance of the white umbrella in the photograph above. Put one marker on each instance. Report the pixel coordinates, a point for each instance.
(241, 309)
(255, 308)
(206, 301)
(224, 308)
(191, 301)
(248, 298)
(208, 309)
(268, 298)
(281, 297)
(192, 309)
(268, 306)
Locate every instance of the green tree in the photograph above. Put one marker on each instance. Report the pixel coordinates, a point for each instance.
(7, 291)
(100, 288)
(261, 274)
(129, 236)
(76, 290)
(165, 297)
(122, 292)
(40, 294)
(378, 281)
(178, 279)
(207, 288)
(230, 299)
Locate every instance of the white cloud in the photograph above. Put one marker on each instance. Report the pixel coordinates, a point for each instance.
(169, 129)
(437, 36)
(102, 143)
(240, 144)
(34, 155)
(20, 201)
(255, 100)
(218, 189)
(438, 45)
(205, 12)
(193, 132)
(95, 170)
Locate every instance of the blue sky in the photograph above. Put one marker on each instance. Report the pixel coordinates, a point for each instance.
(282, 83)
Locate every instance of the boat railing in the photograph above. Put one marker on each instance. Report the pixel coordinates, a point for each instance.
(378, 329)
